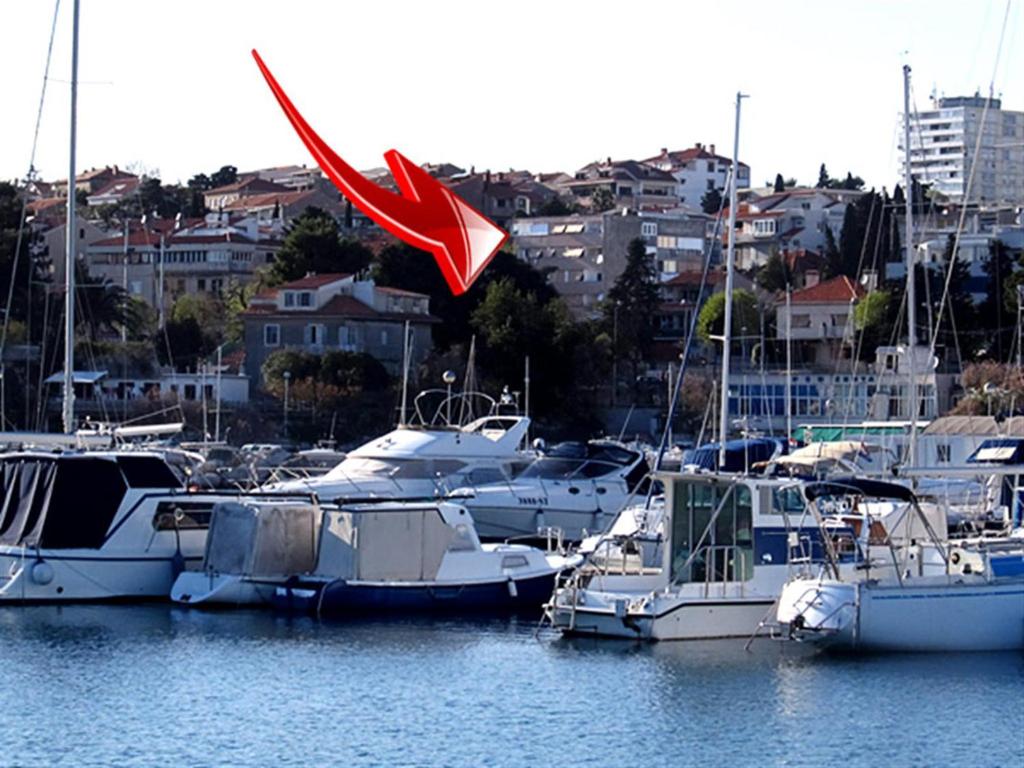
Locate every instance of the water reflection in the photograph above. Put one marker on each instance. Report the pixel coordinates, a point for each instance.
(156, 684)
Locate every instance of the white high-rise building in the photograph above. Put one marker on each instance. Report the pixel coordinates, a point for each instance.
(943, 142)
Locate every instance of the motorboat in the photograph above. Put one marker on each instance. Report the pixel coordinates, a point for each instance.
(708, 561)
(911, 589)
(358, 558)
(576, 488)
(96, 525)
(426, 457)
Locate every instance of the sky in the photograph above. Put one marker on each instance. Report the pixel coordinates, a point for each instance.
(169, 86)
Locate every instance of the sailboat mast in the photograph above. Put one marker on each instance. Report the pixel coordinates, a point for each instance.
(70, 243)
(911, 300)
(730, 251)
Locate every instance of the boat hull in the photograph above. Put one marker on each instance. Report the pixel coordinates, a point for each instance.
(48, 577)
(967, 615)
(337, 598)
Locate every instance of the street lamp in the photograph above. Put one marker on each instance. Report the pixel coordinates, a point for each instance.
(449, 378)
(287, 382)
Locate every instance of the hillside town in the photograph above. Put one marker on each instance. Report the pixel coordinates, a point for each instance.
(267, 295)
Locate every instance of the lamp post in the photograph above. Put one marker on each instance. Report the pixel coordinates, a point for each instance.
(287, 382)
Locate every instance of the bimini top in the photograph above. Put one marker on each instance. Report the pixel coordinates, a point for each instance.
(846, 486)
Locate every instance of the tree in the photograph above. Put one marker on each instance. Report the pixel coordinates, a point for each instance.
(711, 319)
(711, 202)
(555, 206)
(227, 174)
(631, 308)
(780, 183)
(851, 182)
(873, 320)
(774, 275)
(314, 244)
(602, 199)
(997, 322)
(824, 180)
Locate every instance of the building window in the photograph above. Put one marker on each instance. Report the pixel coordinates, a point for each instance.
(801, 321)
(384, 338)
(344, 339)
(305, 299)
(289, 299)
(314, 334)
(649, 229)
(942, 453)
(271, 335)
(201, 284)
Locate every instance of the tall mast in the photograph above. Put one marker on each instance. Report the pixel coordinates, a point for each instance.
(723, 425)
(911, 301)
(70, 244)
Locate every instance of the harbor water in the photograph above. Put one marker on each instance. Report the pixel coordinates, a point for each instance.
(156, 685)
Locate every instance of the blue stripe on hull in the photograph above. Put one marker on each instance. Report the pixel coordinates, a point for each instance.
(339, 598)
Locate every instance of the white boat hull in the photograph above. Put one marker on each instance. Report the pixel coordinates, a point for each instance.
(199, 588)
(87, 575)
(969, 614)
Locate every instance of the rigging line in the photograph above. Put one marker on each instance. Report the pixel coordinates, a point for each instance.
(28, 177)
(970, 178)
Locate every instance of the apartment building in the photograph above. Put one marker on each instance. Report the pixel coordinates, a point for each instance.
(963, 136)
(697, 170)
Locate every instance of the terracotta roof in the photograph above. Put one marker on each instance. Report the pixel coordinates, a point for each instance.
(45, 204)
(136, 237)
(838, 290)
(249, 183)
(268, 198)
(312, 281)
(698, 152)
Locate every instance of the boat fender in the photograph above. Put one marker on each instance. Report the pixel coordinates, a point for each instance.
(955, 558)
(41, 573)
(513, 591)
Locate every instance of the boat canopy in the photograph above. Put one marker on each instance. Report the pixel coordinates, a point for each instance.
(59, 502)
(262, 540)
(575, 460)
(740, 455)
(845, 486)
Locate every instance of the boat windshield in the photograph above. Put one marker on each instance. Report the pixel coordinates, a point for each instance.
(395, 469)
(576, 460)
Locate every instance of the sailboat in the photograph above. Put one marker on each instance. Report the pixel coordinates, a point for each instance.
(930, 594)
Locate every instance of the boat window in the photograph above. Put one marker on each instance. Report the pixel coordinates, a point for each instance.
(514, 561)
(397, 469)
(724, 549)
(182, 515)
(482, 475)
(597, 469)
(787, 501)
(148, 472)
(463, 539)
(552, 469)
(87, 493)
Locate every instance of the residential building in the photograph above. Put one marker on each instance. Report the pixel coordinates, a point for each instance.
(681, 300)
(697, 170)
(220, 198)
(628, 183)
(501, 196)
(93, 180)
(585, 254)
(295, 177)
(114, 192)
(821, 325)
(204, 256)
(318, 313)
(284, 206)
(797, 218)
(947, 154)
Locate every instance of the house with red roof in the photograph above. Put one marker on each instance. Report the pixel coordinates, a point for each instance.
(697, 170)
(319, 313)
(821, 323)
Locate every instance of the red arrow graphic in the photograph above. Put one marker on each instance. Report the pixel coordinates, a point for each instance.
(426, 215)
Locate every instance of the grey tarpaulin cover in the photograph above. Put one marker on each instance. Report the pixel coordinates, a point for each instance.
(263, 539)
(384, 545)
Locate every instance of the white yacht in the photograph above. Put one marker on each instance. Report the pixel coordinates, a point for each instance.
(575, 488)
(370, 557)
(910, 588)
(709, 561)
(99, 525)
(425, 459)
